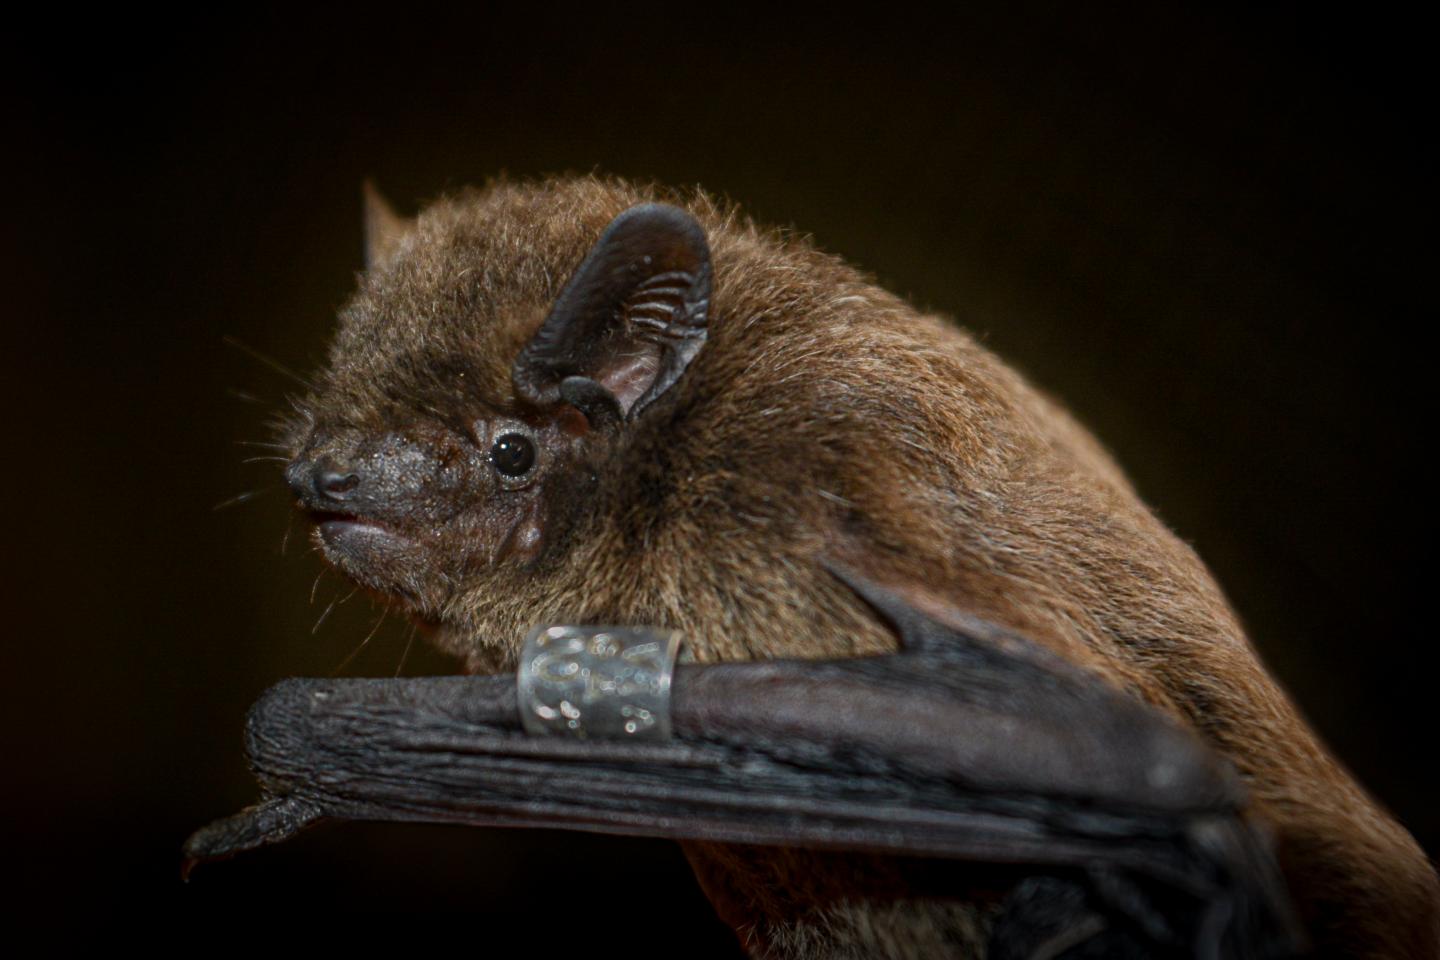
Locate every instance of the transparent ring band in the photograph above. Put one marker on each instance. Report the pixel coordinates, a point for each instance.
(610, 683)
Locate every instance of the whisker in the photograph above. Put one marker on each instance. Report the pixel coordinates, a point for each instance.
(266, 459)
(273, 364)
(316, 585)
(406, 654)
(316, 628)
(262, 444)
(285, 538)
(356, 652)
(235, 393)
(241, 498)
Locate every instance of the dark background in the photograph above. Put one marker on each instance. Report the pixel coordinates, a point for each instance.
(1197, 229)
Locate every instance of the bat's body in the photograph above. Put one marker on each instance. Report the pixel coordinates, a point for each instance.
(719, 413)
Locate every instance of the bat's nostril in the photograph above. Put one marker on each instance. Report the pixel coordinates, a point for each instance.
(335, 485)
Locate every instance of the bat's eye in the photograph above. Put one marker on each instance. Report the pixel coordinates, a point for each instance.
(513, 455)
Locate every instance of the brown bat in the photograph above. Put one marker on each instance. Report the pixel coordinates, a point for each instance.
(992, 703)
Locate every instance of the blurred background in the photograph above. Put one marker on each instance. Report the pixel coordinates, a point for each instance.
(1196, 229)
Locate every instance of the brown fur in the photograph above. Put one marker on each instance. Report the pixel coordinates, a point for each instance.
(826, 417)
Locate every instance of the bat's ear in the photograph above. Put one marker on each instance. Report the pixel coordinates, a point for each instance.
(384, 228)
(628, 322)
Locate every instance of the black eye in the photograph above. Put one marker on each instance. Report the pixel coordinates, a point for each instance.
(513, 454)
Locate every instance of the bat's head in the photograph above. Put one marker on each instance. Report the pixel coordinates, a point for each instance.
(534, 412)
(501, 353)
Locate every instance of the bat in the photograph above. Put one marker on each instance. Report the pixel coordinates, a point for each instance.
(954, 687)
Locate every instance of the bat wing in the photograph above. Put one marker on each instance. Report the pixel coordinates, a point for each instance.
(970, 745)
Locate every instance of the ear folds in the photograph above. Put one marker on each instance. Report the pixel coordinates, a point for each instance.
(628, 322)
(384, 228)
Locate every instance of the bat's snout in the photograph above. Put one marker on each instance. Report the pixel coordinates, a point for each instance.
(322, 485)
(420, 474)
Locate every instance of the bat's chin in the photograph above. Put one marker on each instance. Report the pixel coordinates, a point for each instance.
(371, 553)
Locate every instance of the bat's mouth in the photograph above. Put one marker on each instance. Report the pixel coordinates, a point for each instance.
(372, 553)
(353, 534)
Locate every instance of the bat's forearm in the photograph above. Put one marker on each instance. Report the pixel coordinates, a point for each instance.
(760, 755)
(961, 747)
(741, 767)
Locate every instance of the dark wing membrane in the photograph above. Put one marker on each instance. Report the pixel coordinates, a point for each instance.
(959, 747)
